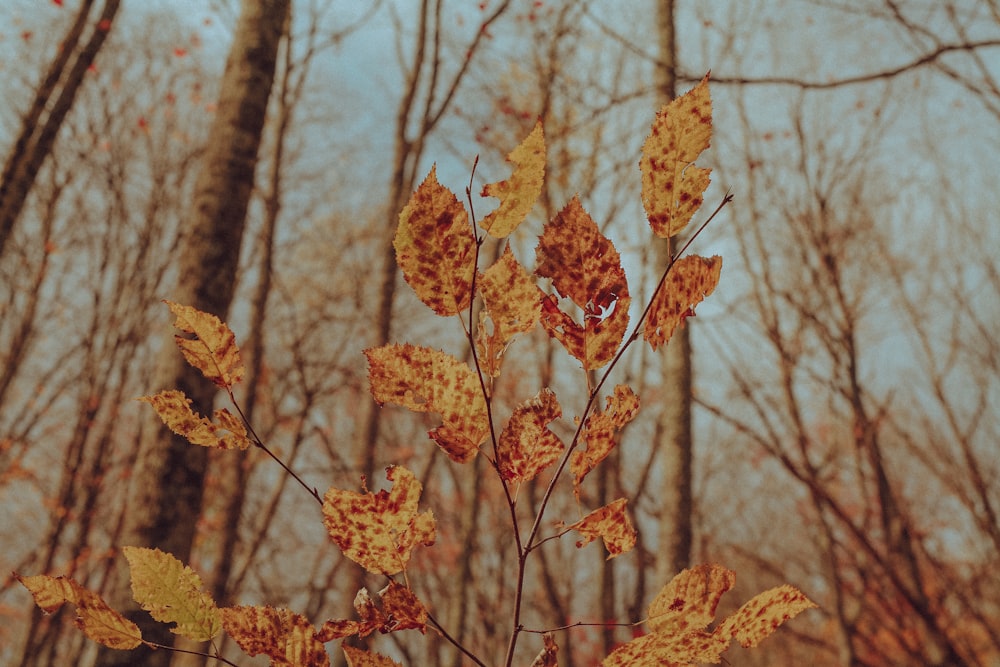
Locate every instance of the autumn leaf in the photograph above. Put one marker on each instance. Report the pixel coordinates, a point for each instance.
(213, 350)
(547, 656)
(174, 410)
(672, 187)
(359, 658)
(427, 380)
(585, 267)
(436, 248)
(681, 612)
(94, 617)
(526, 445)
(400, 610)
(287, 638)
(611, 524)
(518, 194)
(599, 432)
(171, 593)
(512, 302)
(689, 281)
(379, 530)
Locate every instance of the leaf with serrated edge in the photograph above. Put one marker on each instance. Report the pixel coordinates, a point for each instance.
(526, 445)
(427, 380)
(359, 658)
(436, 248)
(171, 593)
(519, 193)
(585, 267)
(690, 280)
(689, 601)
(174, 410)
(599, 432)
(379, 530)
(512, 301)
(213, 351)
(762, 614)
(94, 617)
(287, 638)
(672, 187)
(611, 524)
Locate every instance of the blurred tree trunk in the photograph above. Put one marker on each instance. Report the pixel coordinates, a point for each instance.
(166, 494)
(53, 100)
(673, 427)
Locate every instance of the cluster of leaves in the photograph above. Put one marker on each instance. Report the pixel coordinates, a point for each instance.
(437, 248)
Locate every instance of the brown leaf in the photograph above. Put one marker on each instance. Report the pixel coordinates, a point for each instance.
(585, 267)
(359, 658)
(512, 302)
(174, 410)
(611, 524)
(427, 380)
(690, 280)
(599, 432)
(379, 530)
(526, 445)
(547, 656)
(672, 187)
(213, 350)
(436, 248)
(285, 637)
(520, 193)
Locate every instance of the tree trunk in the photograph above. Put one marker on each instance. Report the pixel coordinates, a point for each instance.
(166, 493)
(674, 417)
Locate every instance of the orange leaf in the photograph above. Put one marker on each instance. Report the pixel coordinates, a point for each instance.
(427, 380)
(526, 446)
(690, 280)
(611, 524)
(436, 248)
(762, 614)
(174, 410)
(94, 617)
(359, 658)
(672, 187)
(585, 267)
(520, 193)
(287, 638)
(400, 610)
(379, 530)
(690, 599)
(512, 301)
(213, 351)
(599, 432)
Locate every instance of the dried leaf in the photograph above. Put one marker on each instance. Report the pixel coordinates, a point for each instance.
(402, 607)
(599, 432)
(585, 267)
(379, 530)
(287, 638)
(427, 380)
(518, 194)
(359, 658)
(672, 187)
(512, 302)
(436, 248)
(174, 410)
(762, 614)
(611, 524)
(526, 445)
(547, 657)
(213, 351)
(691, 279)
(94, 617)
(171, 593)
(690, 599)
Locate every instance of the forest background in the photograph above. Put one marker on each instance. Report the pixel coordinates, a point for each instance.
(846, 415)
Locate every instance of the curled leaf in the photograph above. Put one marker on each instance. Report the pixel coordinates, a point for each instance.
(599, 432)
(287, 638)
(512, 302)
(518, 194)
(174, 410)
(611, 524)
(213, 350)
(526, 445)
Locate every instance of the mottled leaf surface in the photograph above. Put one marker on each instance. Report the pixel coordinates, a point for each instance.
(527, 446)
(287, 638)
(213, 349)
(690, 280)
(519, 193)
(174, 410)
(599, 432)
(611, 524)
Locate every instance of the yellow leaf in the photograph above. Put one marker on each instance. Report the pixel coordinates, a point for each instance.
(599, 432)
(672, 187)
(518, 194)
(379, 530)
(436, 248)
(427, 380)
(690, 599)
(174, 409)
(512, 301)
(611, 524)
(690, 280)
(526, 445)
(359, 658)
(213, 351)
(171, 593)
(547, 656)
(585, 267)
(94, 617)
(285, 637)
(762, 614)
